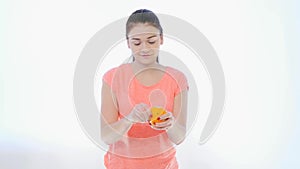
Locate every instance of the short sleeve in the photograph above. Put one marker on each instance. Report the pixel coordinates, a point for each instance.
(182, 83)
(108, 76)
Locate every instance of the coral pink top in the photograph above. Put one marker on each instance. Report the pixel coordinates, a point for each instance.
(142, 146)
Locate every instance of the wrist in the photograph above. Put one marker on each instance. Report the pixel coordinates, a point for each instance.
(128, 122)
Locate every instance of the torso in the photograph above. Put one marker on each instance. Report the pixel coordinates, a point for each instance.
(149, 76)
(131, 86)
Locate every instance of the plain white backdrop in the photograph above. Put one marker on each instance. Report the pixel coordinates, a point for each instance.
(256, 42)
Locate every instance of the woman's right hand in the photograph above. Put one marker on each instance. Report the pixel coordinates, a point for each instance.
(139, 114)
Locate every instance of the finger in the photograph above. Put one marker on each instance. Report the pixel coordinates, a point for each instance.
(139, 116)
(143, 105)
(159, 128)
(167, 123)
(140, 108)
(142, 118)
(166, 116)
(143, 113)
(137, 108)
(148, 113)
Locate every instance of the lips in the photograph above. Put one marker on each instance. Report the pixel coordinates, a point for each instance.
(145, 56)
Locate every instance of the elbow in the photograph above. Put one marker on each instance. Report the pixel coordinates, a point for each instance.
(106, 137)
(179, 141)
(107, 140)
(109, 137)
(177, 137)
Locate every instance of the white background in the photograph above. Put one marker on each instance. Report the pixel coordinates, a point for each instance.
(256, 42)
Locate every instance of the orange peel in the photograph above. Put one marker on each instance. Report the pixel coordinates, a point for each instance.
(156, 113)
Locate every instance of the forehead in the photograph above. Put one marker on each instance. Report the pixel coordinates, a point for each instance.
(141, 30)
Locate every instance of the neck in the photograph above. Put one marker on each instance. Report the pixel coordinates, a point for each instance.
(138, 66)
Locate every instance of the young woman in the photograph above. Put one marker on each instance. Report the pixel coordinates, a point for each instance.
(129, 92)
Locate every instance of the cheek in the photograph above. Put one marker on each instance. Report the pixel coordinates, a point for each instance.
(156, 48)
(157, 45)
(134, 49)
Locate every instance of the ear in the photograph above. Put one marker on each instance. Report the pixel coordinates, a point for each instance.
(161, 39)
(128, 44)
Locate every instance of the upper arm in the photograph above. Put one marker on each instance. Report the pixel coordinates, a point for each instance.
(109, 105)
(180, 100)
(180, 107)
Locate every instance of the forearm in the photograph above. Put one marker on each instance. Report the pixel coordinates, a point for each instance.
(177, 133)
(113, 132)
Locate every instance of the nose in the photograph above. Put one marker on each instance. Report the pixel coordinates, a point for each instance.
(145, 47)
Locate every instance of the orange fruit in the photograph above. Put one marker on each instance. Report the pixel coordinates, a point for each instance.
(156, 113)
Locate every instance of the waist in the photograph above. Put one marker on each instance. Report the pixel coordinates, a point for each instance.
(142, 141)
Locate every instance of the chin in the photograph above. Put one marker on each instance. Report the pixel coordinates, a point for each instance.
(147, 61)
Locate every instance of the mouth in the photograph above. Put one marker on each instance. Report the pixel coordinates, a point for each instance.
(145, 56)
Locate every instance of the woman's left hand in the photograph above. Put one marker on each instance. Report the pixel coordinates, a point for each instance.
(168, 121)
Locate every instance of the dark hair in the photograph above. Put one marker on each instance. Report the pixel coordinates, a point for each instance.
(143, 16)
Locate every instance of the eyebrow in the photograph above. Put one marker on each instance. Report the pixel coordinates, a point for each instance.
(147, 37)
(151, 36)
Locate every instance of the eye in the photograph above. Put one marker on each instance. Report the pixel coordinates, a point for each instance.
(136, 42)
(151, 42)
